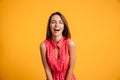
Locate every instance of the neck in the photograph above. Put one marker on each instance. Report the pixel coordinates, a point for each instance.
(56, 39)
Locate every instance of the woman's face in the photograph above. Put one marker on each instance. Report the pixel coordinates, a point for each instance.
(56, 25)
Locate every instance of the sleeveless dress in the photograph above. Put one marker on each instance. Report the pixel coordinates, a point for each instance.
(58, 65)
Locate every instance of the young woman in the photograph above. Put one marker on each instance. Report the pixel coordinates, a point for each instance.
(58, 50)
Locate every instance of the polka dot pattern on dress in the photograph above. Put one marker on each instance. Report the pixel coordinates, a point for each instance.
(58, 65)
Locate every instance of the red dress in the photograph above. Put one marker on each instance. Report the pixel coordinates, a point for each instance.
(59, 66)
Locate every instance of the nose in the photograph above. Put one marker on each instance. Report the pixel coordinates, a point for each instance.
(57, 24)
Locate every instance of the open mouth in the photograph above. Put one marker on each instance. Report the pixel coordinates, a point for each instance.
(56, 29)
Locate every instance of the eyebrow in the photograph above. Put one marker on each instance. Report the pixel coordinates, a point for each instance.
(55, 20)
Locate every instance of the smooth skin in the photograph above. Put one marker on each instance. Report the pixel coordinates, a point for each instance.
(57, 27)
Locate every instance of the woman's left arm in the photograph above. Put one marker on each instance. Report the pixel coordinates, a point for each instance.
(72, 51)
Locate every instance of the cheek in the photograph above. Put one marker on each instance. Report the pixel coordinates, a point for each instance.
(51, 26)
(62, 27)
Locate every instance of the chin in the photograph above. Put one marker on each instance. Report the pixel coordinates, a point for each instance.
(56, 35)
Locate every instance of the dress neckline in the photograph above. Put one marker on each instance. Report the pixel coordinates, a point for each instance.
(59, 43)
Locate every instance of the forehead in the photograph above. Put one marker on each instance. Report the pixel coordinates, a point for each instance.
(56, 17)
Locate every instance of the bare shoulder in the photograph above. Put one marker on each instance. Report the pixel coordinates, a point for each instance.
(42, 46)
(72, 48)
(71, 43)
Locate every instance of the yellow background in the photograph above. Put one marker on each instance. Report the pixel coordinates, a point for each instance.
(94, 25)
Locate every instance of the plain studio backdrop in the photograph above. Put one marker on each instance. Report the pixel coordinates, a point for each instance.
(94, 26)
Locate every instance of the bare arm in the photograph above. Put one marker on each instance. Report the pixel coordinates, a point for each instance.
(44, 61)
(72, 50)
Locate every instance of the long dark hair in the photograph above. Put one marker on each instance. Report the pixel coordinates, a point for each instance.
(66, 31)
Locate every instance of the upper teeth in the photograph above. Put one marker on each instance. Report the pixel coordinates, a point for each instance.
(56, 29)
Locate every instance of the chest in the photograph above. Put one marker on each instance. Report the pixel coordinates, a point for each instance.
(55, 54)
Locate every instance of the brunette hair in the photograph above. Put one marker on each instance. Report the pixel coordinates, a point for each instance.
(66, 31)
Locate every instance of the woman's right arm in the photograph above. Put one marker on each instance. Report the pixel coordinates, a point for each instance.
(44, 61)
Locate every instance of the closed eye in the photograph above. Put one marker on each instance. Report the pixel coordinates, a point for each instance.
(60, 22)
(53, 21)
